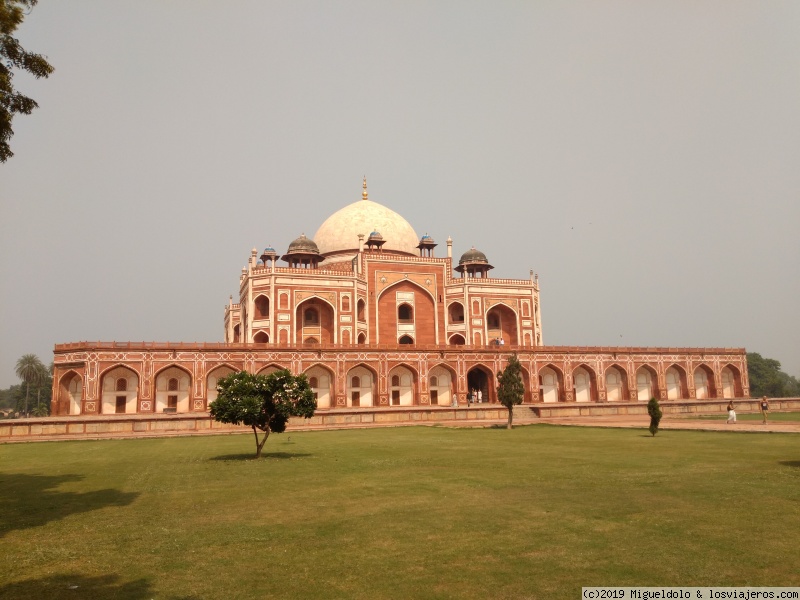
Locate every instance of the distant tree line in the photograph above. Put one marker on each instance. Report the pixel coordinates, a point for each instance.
(767, 378)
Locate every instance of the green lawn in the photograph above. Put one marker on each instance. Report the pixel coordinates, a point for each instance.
(424, 512)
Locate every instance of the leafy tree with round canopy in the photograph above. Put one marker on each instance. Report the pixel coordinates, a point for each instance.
(510, 388)
(263, 402)
(14, 56)
(32, 372)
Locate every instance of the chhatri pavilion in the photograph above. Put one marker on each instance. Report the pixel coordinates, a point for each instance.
(376, 317)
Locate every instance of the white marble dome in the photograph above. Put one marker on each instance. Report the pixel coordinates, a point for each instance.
(339, 233)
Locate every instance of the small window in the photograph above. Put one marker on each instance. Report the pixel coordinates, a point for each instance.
(362, 313)
(395, 381)
(356, 382)
(172, 385)
(313, 382)
(122, 385)
(434, 381)
(311, 316)
(405, 313)
(406, 340)
(262, 307)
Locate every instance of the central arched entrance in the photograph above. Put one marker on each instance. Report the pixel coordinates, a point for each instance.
(480, 378)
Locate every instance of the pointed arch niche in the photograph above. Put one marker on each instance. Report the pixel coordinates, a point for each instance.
(402, 386)
(551, 383)
(360, 386)
(584, 381)
(120, 391)
(616, 384)
(646, 383)
(172, 390)
(213, 378)
(675, 378)
(71, 394)
(320, 381)
(441, 385)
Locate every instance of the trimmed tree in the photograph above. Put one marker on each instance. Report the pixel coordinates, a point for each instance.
(263, 402)
(510, 389)
(654, 410)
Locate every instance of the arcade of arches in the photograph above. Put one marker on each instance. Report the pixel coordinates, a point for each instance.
(90, 380)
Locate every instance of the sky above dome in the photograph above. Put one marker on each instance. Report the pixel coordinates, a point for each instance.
(641, 157)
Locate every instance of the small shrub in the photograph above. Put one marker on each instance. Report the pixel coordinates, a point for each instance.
(654, 410)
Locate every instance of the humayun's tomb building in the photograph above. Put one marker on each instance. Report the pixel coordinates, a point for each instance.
(375, 317)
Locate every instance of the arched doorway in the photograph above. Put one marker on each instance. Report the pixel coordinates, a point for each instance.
(120, 391)
(731, 382)
(441, 384)
(401, 386)
(675, 380)
(319, 380)
(480, 378)
(457, 340)
(211, 382)
(172, 390)
(270, 369)
(71, 394)
(455, 313)
(501, 325)
(314, 320)
(550, 384)
(646, 387)
(360, 387)
(583, 380)
(616, 384)
(704, 383)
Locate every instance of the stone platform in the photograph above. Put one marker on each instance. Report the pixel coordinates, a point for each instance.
(677, 415)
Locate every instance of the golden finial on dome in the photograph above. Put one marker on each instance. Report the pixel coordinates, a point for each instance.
(364, 193)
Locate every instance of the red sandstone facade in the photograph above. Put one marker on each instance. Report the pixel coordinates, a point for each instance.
(375, 319)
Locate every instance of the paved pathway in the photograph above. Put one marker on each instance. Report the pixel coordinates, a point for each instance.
(675, 422)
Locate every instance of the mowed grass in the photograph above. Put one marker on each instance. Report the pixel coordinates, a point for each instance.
(419, 512)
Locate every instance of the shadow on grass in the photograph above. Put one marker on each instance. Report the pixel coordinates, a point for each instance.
(252, 456)
(790, 463)
(81, 586)
(32, 500)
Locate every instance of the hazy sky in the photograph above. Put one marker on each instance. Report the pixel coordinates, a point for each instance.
(642, 157)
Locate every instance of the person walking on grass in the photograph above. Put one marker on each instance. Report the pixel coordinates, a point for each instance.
(764, 409)
(731, 413)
